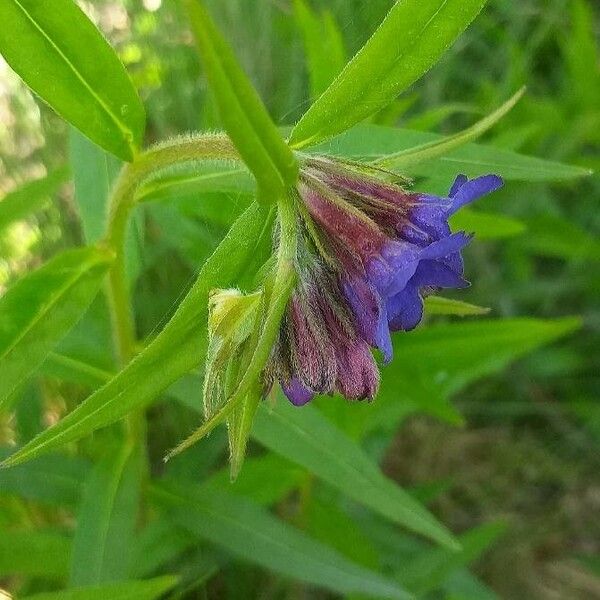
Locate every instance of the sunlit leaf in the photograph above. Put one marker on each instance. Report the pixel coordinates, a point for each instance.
(434, 149)
(38, 311)
(176, 350)
(372, 142)
(408, 43)
(64, 59)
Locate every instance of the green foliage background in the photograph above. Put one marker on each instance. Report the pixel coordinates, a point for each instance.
(499, 441)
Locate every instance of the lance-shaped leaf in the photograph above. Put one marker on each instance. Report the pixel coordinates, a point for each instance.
(176, 350)
(307, 438)
(54, 480)
(38, 311)
(372, 142)
(103, 543)
(486, 226)
(437, 148)
(323, 44)
(150, 589)
(436, 305)
(248, 531)
(243, 114)
(41, 553)
(64, 59)
(408, 43)
(29, 197)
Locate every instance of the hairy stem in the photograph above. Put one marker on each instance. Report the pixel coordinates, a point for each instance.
(122, 201)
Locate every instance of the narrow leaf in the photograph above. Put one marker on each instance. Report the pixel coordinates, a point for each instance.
(323, 45)
(436, 305)
(243, 114)
(37, 312)
(554, 236)
(372, 142)
(103, 543)
(176, 350)
(430, 569)
(309, 439)
(486, 226)
(30, 197)
(440, 360)
(54, 480)
(434, 149)
(94, 172)
(409, 41)
(64, 59)
(249, 532)
(151, 589)
(34, 554)
(265, 479)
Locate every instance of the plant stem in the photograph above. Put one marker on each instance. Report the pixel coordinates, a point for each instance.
(121, 204)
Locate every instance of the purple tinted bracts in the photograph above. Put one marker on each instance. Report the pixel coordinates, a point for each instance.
(369, 253)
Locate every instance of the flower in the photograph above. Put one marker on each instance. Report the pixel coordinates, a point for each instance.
(369, 252)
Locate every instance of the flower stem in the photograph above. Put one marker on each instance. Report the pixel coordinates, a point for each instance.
(122, 202)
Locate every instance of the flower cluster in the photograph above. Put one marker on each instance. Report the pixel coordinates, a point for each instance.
(369, 252)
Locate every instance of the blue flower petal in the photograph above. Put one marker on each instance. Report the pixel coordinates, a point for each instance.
(473, 189)
(296, 393)
(405, 309)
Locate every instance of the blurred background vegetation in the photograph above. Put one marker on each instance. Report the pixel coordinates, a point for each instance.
(529, 452)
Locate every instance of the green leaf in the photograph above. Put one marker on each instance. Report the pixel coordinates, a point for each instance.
(435, 149)
(323, 45)
(37, 312)
(243, 114)
(64, 59)
(372, 142)
(94, 172)
(159, 543)
(247, 531)
(209, 176)
(307, 438)
(407, 44)
(176, 350)
(103, 543)
(54, 480)
(152, 589)
(30, 197)
(34, 553)
(436, 305)
(440, 360)
(264, 480)
(326, 522)
(548, 235)
(429, 570)
(74, 370)
(486, 226)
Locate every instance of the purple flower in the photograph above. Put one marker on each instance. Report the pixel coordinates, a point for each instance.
(369, 252)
